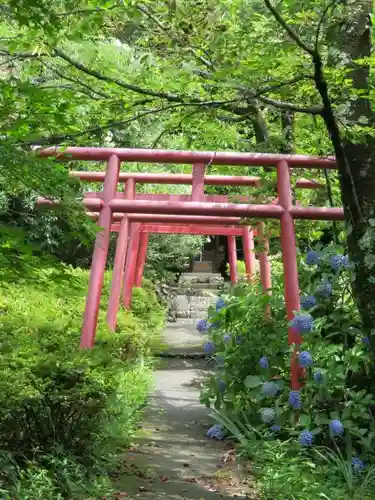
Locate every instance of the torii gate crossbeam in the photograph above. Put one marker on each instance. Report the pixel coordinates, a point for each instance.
(284, 210)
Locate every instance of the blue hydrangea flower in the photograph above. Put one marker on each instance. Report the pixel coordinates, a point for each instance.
(239, 339)
(312, 258)
(216, 432)
(318, 377)
(336, 428)
(306, 438)
(366, 341)
(226, 338)
(209, 347)
(275, 428)
(268, 415)
(295, 400)
(270, 388)
(308, 301)
(336, 262)
(220, 360)
(303, 323)
(345, 262)
(304, 359)
(263, 362)
(202, 326)
(220, 304)
(222, 386)
(325, 289)
(357, 464)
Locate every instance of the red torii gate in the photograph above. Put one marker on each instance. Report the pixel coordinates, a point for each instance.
(284, 210)
(134, 254)
(173, 224)
(138, 248)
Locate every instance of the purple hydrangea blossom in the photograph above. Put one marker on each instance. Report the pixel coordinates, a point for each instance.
(308, 301)
(357, 464)
(263, 362)
(313, 258)
(275, 428)
(270, 389)
(295, 400)
(325, 289)
(220, 304)
(305, 359)
(306, 438)
(336, 262)
(209, 347)
(303, 323)
(216, 432)
(336, 428)
(202, 326)
(222, 385)
(239, 339)
(318, 377)
(345, 262)
(268, 415)
(226, 338)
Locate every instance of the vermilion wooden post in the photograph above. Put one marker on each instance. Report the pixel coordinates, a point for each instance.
(197, 188)
(288, 245)
(141, 259)
(248, 252)
(232, 257)
(264, 263)
(119, 262)
(131, 261)
(99, 257)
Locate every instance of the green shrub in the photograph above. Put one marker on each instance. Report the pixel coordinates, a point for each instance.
(251, 386)
(59, 401)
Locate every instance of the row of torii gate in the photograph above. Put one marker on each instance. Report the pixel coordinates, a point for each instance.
(134, 216)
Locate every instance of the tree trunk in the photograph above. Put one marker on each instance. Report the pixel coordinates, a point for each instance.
(356, 160)
(287, 132)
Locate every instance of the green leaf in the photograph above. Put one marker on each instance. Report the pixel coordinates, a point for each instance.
(252, 381)
(305, 420)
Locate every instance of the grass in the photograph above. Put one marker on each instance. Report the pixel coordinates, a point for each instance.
(40, 322)
(285, 471)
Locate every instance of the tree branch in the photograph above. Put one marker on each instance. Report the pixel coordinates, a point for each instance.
(276, 86)
(22, 55)
(293, 35)
(289, 106)
(128, 86)
(85, 11)
(186, 100)
(326, 112)
(147, 13)
(167, 130)
(62, 137)
(321, 21)
(75, 80)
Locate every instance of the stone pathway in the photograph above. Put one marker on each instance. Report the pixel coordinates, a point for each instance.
(172, 458)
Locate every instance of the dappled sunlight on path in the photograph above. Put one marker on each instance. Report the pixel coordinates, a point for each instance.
(173, 459)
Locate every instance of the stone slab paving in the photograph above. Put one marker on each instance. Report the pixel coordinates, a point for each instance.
(172, 458)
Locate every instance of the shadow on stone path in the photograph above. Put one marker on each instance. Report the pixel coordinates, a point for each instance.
(172, 458)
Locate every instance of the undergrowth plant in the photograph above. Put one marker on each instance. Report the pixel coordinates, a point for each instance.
(250, 390)
(65, 411)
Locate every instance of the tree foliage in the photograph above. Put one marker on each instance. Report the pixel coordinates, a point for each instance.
(244, 75)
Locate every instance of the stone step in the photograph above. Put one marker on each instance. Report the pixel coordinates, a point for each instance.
(202, 267)
(201, 278)
(194, 306)
(198, 286)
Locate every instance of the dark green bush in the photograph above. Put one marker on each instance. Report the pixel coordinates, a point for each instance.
(60, 403)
